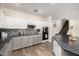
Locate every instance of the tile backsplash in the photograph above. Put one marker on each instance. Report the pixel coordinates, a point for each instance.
(15, 32)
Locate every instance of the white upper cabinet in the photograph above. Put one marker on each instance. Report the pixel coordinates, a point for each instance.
(18, 20)
(2, 20)
(15, 23)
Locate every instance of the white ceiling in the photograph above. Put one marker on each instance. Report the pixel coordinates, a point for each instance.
(57, 10)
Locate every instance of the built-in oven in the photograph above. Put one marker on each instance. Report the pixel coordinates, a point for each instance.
(0, 36)
(45, 33)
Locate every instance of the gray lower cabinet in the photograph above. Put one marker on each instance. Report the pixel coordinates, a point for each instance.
(20, 42)
(30, 40)
(17, 43)
(35, 40)
(24, 41)
(39, 39)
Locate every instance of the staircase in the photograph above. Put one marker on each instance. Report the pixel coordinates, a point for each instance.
(65, 28)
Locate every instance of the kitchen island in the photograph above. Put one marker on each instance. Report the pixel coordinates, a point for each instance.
(62, 46)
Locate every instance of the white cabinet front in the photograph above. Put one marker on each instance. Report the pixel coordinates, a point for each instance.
(15, 23)
(2, 20)
(56, 48)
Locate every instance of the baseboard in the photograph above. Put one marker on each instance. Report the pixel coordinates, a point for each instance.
(45, 41)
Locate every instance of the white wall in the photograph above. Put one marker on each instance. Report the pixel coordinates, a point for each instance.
(57, 29)
(75, 30)
(15, 19)
(53, 30)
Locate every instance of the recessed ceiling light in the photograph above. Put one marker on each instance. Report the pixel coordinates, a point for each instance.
(36, 10)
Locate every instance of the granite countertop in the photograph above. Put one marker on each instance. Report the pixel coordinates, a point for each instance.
(63, 41)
